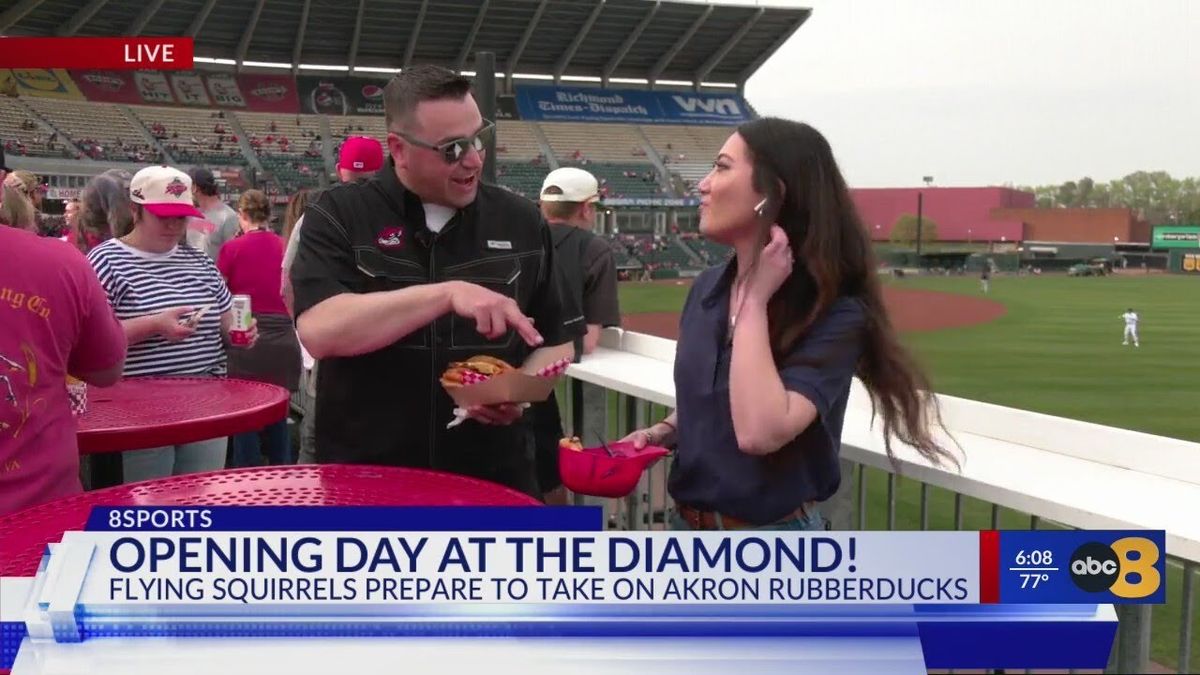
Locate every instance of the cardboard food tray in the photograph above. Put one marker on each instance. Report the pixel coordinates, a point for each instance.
(519, 386)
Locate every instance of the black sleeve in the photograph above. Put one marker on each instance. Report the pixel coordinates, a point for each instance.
(600, 305)
(557, 317)
(325, 264)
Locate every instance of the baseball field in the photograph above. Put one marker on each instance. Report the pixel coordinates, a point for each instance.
(1050, 344)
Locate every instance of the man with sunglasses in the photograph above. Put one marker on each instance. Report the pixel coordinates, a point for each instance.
(421, 265)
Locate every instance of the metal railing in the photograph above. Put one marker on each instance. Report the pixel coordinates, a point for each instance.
(870, 499)
(875, 497)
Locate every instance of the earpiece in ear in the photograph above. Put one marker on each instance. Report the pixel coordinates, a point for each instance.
(760, 208)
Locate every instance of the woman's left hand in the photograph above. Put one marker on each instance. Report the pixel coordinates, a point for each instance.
(774, 267)
(251, 336)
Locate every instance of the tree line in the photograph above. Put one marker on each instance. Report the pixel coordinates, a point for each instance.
(1155, 196)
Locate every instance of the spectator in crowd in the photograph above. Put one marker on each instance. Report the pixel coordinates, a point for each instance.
(16, 211)
(359, 158)
(173, 305)
(587, 277)
(249, 265)
(69, 330)
(770, 342)
(104, 210)
(71, 218)
(208, 199)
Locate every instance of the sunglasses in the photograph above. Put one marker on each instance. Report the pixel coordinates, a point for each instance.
(453, 151)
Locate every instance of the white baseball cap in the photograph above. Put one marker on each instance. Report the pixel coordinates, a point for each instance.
(574, 185)
(164, 191)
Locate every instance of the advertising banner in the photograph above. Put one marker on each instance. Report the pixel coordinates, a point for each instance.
(261, 93)
(340, 95)
(45, 82)
(580, 104)
(107, 86)
(1176, 236)
(253, 92)
(153, 88)
(189, 89)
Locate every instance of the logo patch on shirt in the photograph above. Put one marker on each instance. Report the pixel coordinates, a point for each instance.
(392, 237)
(501, 245)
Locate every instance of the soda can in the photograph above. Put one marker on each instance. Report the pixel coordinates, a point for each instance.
(242, 320)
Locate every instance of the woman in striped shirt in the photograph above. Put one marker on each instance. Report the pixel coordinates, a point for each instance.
(173, 304)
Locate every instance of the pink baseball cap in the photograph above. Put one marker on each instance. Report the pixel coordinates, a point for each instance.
(360, 153)
(164, 191)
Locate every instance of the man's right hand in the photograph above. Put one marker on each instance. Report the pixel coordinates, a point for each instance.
(171, 325)
(494, 314)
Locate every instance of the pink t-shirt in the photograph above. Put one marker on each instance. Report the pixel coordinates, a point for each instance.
(57, 321)
(250, 264)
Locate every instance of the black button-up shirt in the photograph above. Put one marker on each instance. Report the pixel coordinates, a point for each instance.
(388, 407)
(710, 472)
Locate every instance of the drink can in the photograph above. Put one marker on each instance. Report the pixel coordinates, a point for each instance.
(77, 394)
(242, 320)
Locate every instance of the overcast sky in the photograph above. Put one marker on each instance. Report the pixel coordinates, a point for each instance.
(979, 92)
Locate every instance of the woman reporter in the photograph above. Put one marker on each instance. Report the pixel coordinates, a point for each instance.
(770, 341)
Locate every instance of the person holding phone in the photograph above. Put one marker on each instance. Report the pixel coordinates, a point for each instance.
(770, 341)
(173, 305)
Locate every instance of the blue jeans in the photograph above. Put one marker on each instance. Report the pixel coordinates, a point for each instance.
(812, 520)
(248, 448)
(173, 460)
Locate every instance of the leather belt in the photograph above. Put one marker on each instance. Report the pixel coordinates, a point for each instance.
(711, 520)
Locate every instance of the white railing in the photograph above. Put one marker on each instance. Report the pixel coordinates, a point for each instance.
(1056, 470)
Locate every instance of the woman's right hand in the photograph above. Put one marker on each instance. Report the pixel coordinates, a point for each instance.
(640, 438)
(171, 325)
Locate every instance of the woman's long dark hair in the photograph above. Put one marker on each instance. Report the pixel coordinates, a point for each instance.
(795, 168)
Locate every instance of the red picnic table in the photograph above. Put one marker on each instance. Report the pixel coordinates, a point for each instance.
(151, 412)
(24, 534)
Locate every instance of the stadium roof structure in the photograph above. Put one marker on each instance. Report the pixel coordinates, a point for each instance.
(674, 42)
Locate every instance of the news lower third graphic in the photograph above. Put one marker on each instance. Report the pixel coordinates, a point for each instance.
(239, 572)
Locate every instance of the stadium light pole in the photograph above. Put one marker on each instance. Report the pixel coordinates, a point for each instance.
(485, 92)
(920, 208)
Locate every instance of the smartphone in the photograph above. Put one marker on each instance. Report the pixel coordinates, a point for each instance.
(193, 319)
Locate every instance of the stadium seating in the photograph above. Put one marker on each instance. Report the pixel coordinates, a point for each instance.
(712, 253)
(23, 135)
(687, 151)
(523, 178)
(101, 131)
(516, 141)
(573, 142)
(291, 165)
(190, 136)
(625, 180)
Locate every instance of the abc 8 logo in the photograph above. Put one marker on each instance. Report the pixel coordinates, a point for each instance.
(1126, 568)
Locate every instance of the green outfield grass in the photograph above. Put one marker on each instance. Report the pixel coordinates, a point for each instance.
(1058, 351)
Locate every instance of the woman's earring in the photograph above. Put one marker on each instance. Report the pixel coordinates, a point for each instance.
(760, 208)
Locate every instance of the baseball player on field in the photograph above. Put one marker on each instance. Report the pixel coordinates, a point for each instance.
(1131, 323)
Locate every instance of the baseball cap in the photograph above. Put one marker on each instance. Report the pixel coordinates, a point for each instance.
(574, 185)
(204, 180)
(360, 153)
(164, 191)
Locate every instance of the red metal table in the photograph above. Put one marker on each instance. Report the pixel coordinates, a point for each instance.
(151, 412)
(24, 534)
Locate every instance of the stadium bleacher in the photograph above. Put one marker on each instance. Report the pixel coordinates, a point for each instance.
(686, 150)
(191, 136)
(23, 135)
(102, 132)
